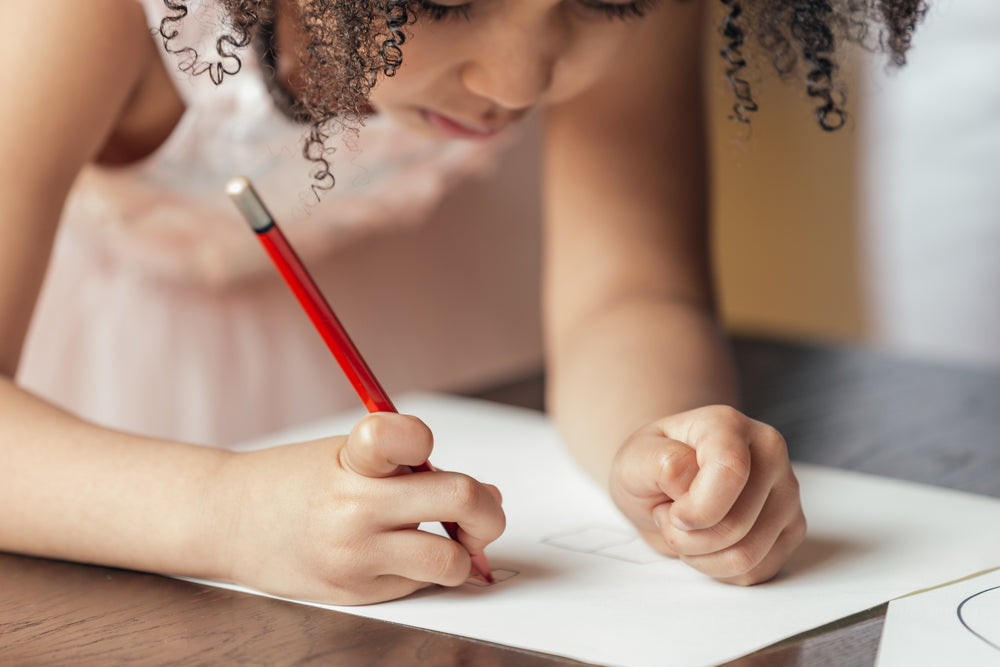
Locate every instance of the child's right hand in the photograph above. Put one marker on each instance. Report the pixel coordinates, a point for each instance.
(335, 520)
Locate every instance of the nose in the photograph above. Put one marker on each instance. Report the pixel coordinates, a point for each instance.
(513, 71)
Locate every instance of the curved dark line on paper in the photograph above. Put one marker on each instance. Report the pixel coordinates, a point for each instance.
(961, 619)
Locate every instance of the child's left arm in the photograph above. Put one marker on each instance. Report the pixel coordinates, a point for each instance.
(638, 367)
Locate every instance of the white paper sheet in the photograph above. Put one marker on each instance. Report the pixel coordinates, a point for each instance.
(958, 624)
(587, 588)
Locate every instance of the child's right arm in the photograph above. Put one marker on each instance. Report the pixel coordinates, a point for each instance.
(330, 520)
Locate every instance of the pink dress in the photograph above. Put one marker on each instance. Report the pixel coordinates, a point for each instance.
(162, 315)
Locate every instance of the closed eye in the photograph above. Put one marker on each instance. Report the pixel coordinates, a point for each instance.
(436, 12)
(636, 9)
(622, 11)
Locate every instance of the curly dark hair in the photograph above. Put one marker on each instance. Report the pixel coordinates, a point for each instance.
(354, 42)
(790, 30)
(349, 42)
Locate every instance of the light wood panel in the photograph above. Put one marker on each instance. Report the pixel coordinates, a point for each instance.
(786, 236)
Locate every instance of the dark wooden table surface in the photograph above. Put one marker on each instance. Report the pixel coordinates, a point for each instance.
(836, 406)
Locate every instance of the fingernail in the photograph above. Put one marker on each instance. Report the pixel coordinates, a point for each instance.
(678, 524)
(658, 513)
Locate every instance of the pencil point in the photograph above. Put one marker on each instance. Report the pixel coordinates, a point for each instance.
(481, 567)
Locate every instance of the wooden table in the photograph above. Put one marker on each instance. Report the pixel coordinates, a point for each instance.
(840, 407)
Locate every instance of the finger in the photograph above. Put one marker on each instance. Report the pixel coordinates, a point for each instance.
(495, 492)
(419, 556)
(380, 589)
(732, 528)
(722, 447)
(438, 497)
(651, 470)
(786, 544)
(768, 464)
(760, 554)
(385, 444)
(475, 543)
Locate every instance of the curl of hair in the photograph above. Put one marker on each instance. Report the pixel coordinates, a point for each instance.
(349, 42)
(802, 35)
(732, 53)
(227, 46)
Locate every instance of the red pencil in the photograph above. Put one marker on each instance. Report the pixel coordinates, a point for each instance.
(241, 191)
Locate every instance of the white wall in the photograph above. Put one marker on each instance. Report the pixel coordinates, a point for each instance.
(930, 188)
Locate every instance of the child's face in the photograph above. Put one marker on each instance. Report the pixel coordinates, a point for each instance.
(472, 71)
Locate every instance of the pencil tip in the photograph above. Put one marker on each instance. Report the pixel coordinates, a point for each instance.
(482, 567)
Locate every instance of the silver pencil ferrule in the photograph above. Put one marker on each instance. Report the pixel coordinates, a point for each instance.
(241, 191)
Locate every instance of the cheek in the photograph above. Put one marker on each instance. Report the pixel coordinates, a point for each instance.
(390, 91)
(430, 54)
(425, 59)
(384, 93)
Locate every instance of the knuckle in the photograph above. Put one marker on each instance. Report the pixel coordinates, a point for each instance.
(787, 491)
(495, 492)
(351, 570)
(726, 415)
(355, 516)
(464, 492)
(741, 559)
(784, 494)
(795, 532)
(735, 462)
(727, 532)
(770, 441)
(451, 566)
(672, 463)
(368, 430)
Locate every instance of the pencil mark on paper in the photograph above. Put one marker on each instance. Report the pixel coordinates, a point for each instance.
(975, 612)
(499, 575)
(608, 542)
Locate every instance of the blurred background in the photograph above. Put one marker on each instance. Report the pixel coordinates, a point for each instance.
(887, 232)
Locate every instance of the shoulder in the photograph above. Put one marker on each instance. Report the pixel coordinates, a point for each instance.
(56, 26)
(79, 63)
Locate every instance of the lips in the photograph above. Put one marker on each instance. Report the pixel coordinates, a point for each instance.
(452, 128)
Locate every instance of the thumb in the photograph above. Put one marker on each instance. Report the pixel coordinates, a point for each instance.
(384, 444)
(650, 470)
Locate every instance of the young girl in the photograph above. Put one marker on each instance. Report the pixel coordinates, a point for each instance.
(154, 328)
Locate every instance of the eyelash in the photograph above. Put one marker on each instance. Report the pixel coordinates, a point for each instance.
(631, 10)
(436, 12)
